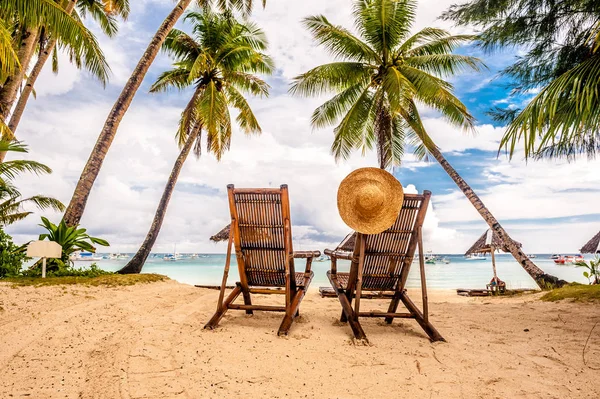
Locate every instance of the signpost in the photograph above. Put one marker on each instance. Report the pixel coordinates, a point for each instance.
(44, 249)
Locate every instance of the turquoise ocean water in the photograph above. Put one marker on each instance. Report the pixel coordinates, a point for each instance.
(459, 273)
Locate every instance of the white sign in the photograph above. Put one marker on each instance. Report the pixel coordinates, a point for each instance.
(44, 249)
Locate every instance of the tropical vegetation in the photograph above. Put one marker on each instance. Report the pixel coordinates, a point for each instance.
(104, 12)
(71, 239)
(26, 23)
(14, 206)
(12, 256)
(218, 61)
(593, 270)
(382, 76)
(560, 65)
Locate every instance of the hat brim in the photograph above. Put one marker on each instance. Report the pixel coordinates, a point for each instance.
(379, 219)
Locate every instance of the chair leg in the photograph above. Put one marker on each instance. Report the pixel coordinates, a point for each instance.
(214, 321)
(434, 335)
(287, 321)
(393, 307)
(247, 300)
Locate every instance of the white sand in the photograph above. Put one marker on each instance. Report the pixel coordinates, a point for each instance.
(147, 341)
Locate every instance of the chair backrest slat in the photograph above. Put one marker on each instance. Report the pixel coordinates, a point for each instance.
(258, 225)
(389, 253)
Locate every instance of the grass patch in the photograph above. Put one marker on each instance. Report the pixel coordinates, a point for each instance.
(576, 292)
(108, 280)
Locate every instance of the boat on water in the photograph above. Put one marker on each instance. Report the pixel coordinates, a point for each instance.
(172, 257)
(532, 256)
(556, 256)
(567, 259)
(323, 258)
(116, 256)
(445, 260)
(475, 257)
(430, 258)
(81, 256)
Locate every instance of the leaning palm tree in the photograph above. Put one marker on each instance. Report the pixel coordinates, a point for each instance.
(104, 12)
(92, 167)
(219, 61)
(382, 74)
(13, 206)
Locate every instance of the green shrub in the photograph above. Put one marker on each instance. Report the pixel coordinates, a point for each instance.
(62, 270)
(12, 257)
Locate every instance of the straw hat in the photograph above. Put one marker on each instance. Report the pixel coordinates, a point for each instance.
(369, 200)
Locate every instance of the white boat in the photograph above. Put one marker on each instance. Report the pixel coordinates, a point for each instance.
(475, 257)
(81, 256)
(116, 256)
(445, 260)
(532, 256)
(556, 256)
(322, 258)
(430, 258)
(172, 257)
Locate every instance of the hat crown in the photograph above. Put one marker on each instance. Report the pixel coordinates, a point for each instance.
(369, 198)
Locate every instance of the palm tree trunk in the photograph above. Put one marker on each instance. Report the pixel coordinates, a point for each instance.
(542, 279)
(137, 262)
(15, 118)
(92, 168)
(10, 89)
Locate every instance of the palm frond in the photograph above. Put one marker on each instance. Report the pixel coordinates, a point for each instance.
(336, 76)
(339, 41)
(245, 119)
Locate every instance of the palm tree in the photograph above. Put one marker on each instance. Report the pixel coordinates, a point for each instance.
(23, 19)
(381, 76)
(218, 61)
(563, 119)
(104, 12)
(92, 167)
(12, 203)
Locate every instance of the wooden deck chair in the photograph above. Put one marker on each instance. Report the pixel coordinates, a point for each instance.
(381, 262)
(261, 232)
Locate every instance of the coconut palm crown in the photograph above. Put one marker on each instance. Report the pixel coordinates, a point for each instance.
(382, 74)
(218, 61)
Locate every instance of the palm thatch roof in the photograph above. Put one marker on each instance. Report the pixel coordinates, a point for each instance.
(222, 235)
(592, 246)
(486, 242)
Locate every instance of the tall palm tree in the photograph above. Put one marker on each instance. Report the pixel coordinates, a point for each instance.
(382, 75)
(12, 203)
(104, 12)
(92, 167)
(218, 60)
(24, 20)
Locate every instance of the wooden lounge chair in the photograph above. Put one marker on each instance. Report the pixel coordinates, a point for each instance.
(261, 232)
(381, 262)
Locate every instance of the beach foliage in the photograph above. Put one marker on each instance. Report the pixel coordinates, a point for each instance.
(12, 256)
(71, 239)
(559, 64)
(593, 270)
(574, 292)
(381, 77)
(104, 280)
(12, 203)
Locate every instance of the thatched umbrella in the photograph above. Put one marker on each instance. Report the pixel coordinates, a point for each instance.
(592, 246)
(489, 242)
(222, 235)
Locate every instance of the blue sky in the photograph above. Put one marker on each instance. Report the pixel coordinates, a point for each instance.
(549, 206)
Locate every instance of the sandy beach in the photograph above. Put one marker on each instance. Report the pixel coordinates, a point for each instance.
(147, 341)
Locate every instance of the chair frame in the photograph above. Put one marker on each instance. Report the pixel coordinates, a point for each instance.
(351, 314)
(293, 293)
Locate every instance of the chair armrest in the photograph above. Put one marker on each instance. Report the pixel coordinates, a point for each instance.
(339, 254)
(306, 254)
